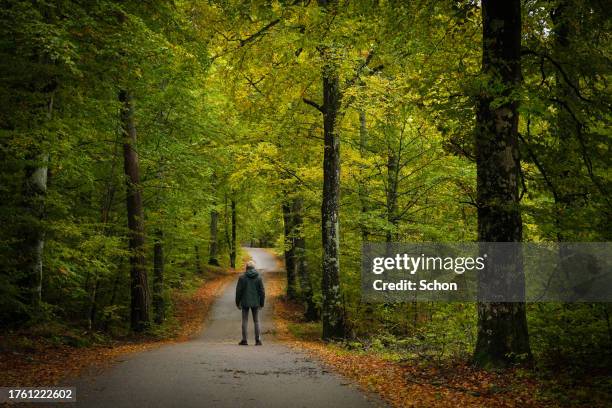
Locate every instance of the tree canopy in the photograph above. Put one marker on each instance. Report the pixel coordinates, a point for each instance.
(309, 126)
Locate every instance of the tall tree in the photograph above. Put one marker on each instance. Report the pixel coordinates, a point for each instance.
(232, 248)
(213, 249)
(362, 187)
(139, 306)
(393, 171)
(502, 327)
(158, 277)
(332, 313)
(34, 188)
(34, 192)
(289, 252)
(301, 264)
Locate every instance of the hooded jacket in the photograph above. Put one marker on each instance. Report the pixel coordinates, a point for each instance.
(250, 289)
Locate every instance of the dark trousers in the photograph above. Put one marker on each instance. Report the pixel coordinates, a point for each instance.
(245, 322)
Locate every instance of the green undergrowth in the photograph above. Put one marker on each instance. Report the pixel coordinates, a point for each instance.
(570, 371)
(112, 326)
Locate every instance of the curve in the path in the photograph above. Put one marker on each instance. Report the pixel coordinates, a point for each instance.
(213, 371)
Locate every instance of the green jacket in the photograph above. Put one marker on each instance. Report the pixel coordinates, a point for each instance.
(250, 290)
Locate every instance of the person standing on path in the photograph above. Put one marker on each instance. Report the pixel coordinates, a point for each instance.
(250, 294)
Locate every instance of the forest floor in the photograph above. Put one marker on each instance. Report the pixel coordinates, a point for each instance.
(35, 358)
(47, 354)
(412, 383)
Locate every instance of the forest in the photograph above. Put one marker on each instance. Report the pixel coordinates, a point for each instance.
(144, 143)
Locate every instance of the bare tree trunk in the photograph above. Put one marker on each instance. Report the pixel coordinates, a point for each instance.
(290, 266)
(139, 286)
(502, 327)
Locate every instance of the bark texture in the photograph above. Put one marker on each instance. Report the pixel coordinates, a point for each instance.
(139, 306)
(502, 327)
(332, 313)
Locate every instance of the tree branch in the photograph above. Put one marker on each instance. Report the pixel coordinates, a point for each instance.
(559, 68)
(314, 105)
(363, 66)
(538, 164)
(259, 33)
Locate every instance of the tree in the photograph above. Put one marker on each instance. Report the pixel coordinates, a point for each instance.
(502, 327)
(33, 235)
(231, 229)
(301, 264)
(159, 306)
(213, 248)
(139, 305)
(332, 312)
(289, 252)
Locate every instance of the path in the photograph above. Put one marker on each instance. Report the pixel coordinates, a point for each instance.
(213, 371)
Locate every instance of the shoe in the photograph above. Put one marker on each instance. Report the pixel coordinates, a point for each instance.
(258, 343)
(243, 343)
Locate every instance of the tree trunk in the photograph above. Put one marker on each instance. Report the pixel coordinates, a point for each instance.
(114, 291)
(567, 130)
(233, 242)
(34, 192)
(198, 262)
(392, 186)
(214, 243)
(332, 313)
(32, 233)
(362, 188)
(227, 226)
(502, 327)
(139, 286)
(301, 265)
(290, 266)
(158, 278)
(107, 204)
(93, 303)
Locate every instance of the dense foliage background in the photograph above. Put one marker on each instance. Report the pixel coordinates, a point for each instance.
(226, 102)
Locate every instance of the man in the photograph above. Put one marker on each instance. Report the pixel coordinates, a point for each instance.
(250, 294)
